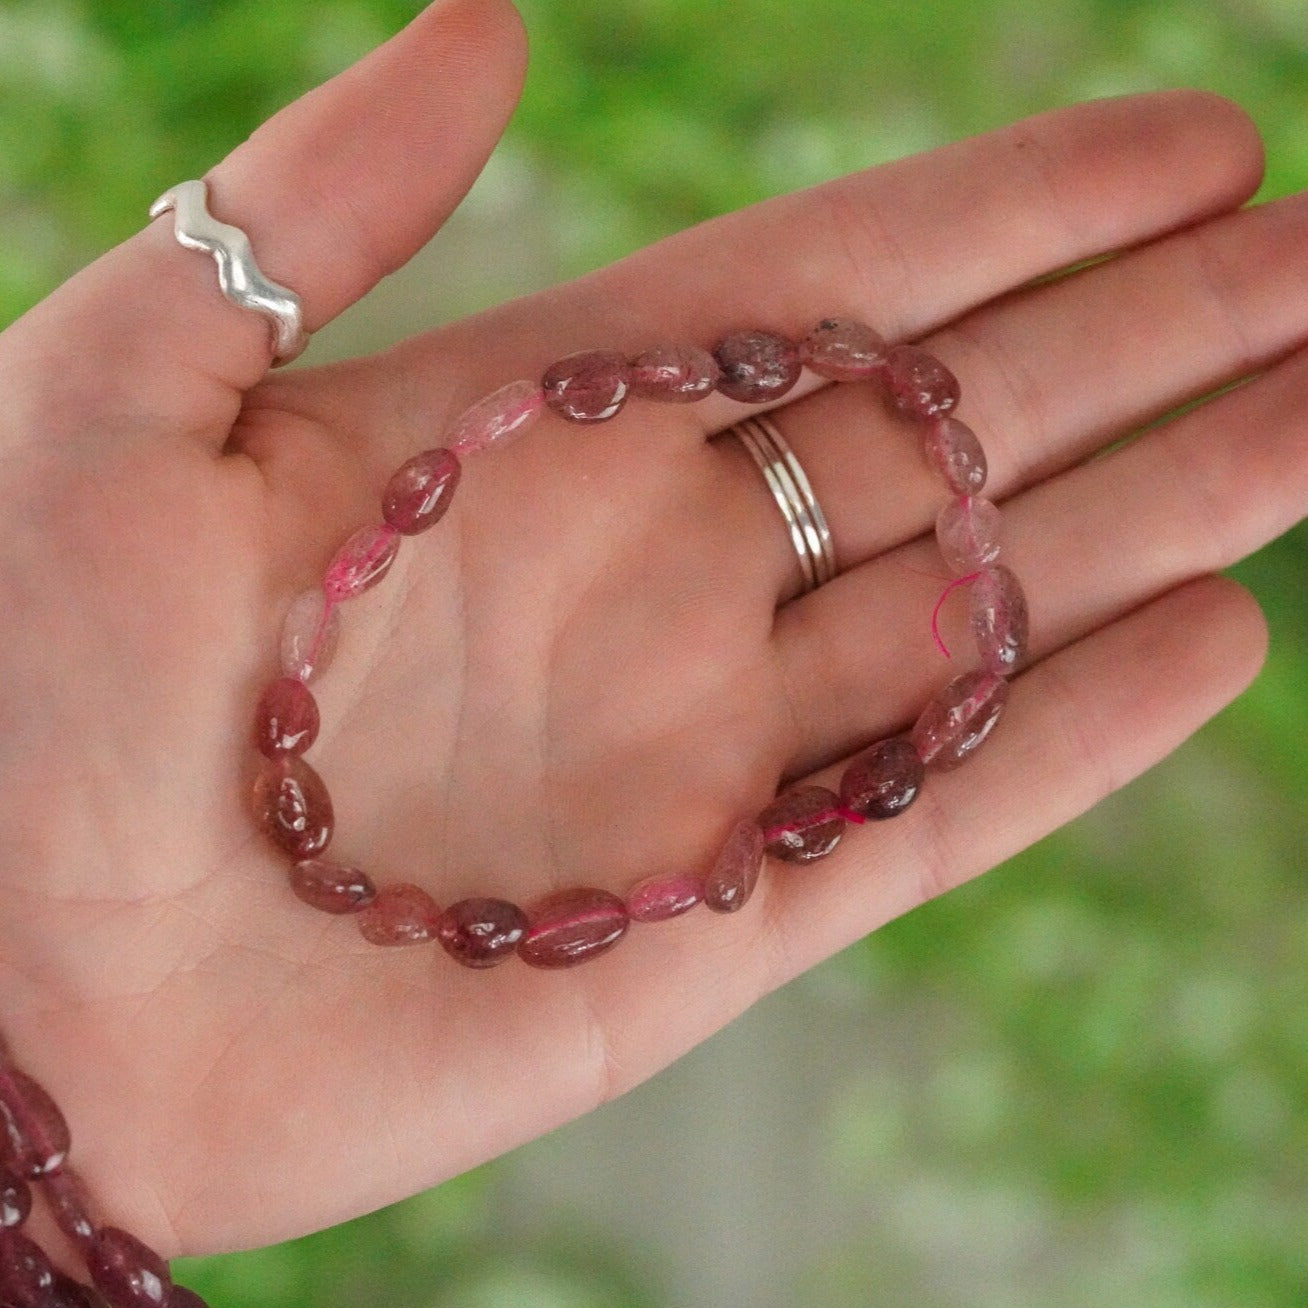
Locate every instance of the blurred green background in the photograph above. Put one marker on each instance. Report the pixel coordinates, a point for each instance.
(1078, 1081)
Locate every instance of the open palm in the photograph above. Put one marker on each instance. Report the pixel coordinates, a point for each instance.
(597, 662)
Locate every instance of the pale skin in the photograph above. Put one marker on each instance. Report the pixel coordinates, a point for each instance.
(597, 662)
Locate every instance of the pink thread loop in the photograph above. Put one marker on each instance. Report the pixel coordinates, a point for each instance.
(940, 604)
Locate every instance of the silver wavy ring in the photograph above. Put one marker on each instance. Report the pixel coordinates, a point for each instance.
(793, 492)
(239, 276)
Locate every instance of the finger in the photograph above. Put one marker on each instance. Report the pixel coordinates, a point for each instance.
(1190, 497)
(334, 192)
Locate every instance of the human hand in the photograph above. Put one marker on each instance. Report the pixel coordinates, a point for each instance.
(593, 666)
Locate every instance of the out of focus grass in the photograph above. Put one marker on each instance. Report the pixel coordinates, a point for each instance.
(1125, 1064)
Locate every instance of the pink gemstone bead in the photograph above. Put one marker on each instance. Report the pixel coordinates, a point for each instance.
(1000, 618)
(589, 386)
(26, 1274)
(957, 721)
(360, 563)
(573, 926)
(35, 1135)
(481, 932)
(883, 780)
(331, 887)
(802, 825)
(735, 871)
(128, 1273)
(677, 374)
(843, 350)
(286, 719)
(420, 491)
(309, 635)
(65, 1196)
(402, 914)
(920, 385)
(967, 531)
(293, 807)
(15, 1199)
(756, 366)
(497, 419)
(955, 451)
(658, 898)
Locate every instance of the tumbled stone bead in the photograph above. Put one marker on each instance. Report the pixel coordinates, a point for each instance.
(15, 1199)
(181, 1297)
(573, 926)
(756, 366)
(128, 1273)
(920, 386)
(663, 896)
(36, 1138)
(957, 720)
(360, 563)
(955, 451)
(1000, 619)
(293, 807)
(401, 914)
(65, 1196)
(967, 531)
(286, 719)
(589, 386)
(735, 871)
(497, 419)
(677, 374)
(481, 932)
(26, 1274)
(420, 491)
(331, 887)
(802, 825)
(67, 1293)
(841, 349)
(883, 780)
(308, 642)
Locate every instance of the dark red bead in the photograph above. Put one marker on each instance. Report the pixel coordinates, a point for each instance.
(420, 491)
(292, 805)
(678, 374)
(802, 825)
(756, 365)
(67, 1293)
(589, 386)
(731, 882)
(959, 718)
(286, 720)
(481, 932)
(573, 926)
(15, 1199)
(35, 1135)
(883, 780)
(920, 385)
(841, 349)
(65, 1196)
(331, 887)
(128, 1273)
(26, 1274)
(666, 895)
(402, 914)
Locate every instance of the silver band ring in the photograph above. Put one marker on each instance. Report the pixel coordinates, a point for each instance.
(239, 276)
(793, 492)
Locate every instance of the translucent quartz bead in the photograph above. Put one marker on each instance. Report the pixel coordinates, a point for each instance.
(956, 453)
(67, 1293)
(26, 1274)
(1000, 618)
(843, 350)
(756, 366)
(802, 825)
(589, 386)
(293, 807)
(420, 491)
(66, 1198)
(128, 1273)
(497, 419)
(883, 780)
(735, 871)
(331, 887)
(15, 1199)
(957, 721)
(657, 898)
(36, 1135)
(360, 563)
(310, 631)
(678, 374)
(286, 719)
(401, 914)
(967, 531)
(573, 926)
(920, 385)
(481, 932)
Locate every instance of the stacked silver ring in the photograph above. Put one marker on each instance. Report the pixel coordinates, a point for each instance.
(790, 487)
